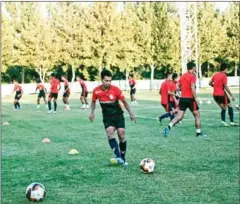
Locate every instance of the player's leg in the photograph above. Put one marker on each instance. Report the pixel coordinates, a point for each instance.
(121, 136)
(55, 96)
(50, 103)
(82, 101)
(17, 103)
(221, 103)
(45, 101)
(231, 114)
(85, 100)
(166, 114)
(67, 101)
(38, 102)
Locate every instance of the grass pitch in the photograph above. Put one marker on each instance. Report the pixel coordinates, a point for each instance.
(188, 169)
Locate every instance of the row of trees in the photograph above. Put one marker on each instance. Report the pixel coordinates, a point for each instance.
(75, 37)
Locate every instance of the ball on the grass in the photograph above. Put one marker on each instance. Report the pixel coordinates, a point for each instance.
(147, 165)
(35, 192)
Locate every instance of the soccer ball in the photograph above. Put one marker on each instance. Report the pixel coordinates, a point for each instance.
(35, 192)
(147, 165)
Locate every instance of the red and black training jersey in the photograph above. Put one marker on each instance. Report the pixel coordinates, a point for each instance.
(164, 92)
(17, 88)
(40, 87)
(219, 81)
(66, 85)
(172, 88)
(185, 81)
(83, 85)
(54, 85)
(132, 83)
(109, 100)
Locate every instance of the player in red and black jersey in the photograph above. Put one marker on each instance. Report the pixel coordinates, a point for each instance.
(188, 99)
(132, 84)
(55, 87)
(42, 93)
(173, 92)
(113, 119)
(219, 84)
(84, 93)
(19, 92)
(66, 92)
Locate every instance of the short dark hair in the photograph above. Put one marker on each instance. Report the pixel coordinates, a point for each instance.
(174, 76)
(39, 81)
(190, 65)
(106, 72)
(223, 66)
(167, 74)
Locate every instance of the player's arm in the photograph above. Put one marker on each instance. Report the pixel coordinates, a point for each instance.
(127, 107)
(229, 92)
(59, 87)
(93, 106)
(193, 85)
(45, 90)
(211, 82)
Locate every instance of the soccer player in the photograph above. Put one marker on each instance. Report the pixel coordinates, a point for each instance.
(113, 119)
(165, 98)
(55, 87)
(219, 84)
(84, 93)
(132, 84)
(66, 93)
(19, 92)
(42, 93)
(188, 99)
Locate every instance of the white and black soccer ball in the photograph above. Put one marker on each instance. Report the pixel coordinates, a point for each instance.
(147, 165)
(35, 192)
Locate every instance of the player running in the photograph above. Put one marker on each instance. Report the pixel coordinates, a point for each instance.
(42, 93)
(132, 84)
(66, 93)
(113, 119)
(19, 92)
(84, 93)
(219, 84)
(188, 99)
(55, 87)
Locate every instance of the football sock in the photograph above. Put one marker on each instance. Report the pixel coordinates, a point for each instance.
(55, 106)
(15, 105)
(230, 112)
(49, 105)
(223, 114)
(18, 105)
(123, 147)
(170, 125)
(198, 130)
(114, 146)
(166, 115)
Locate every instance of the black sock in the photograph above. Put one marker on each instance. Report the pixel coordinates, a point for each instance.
(169, 127)
(223, 114)
(49, 105)
(114, 146)
(123, 147)
(230, 112)
(165, 115)
(55, 106)
(18, 105)
(15, 105)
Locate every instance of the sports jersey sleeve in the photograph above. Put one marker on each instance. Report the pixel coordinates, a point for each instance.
(94, 96)
(194, 79)
(120, 95)
(224, 80)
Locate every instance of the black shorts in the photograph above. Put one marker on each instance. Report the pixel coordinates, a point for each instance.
(115, 121)
(17, 97)
(66, 94)
(172, 105)
(132, 91)
(41, 94)
(190, 103)
(84, 94)
(53, 95)
(166, 107)
(222, 99)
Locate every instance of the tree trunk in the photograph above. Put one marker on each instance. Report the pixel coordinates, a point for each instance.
(152, 76)
(126, 80)
(200, 71)
(208, 67)
(73, 73)
(23, 73)
(236, 69)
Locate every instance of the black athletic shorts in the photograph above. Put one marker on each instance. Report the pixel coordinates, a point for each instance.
(172, 105)
(53, 95)
(115, 121)
(66, 94)
(222, 99)
(84, 94)
(132, 91)
(190, 103)
(17, 97)
(41, 94)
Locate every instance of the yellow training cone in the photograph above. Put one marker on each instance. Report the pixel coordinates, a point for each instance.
(46, 140)
(6, 123)
(73, 151)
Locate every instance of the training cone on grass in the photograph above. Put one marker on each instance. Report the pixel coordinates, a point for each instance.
(209, 102)
(73, 151)
(6, 123)
(46, 140)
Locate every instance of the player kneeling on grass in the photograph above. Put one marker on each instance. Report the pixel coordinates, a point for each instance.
(219, 84)
(66, 92)
(42, 93)
(18, 95)
(113, 119)
(188, 99)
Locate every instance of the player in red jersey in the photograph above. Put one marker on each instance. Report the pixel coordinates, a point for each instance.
(188, 99)
(19, 92)
(42, 93)
(84, 93)
(132, 84)
(219, 84)
(55, 87)
(66, 93)
(113, 119)
(165, 98)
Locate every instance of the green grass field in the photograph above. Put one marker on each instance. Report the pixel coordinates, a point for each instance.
(188, 169)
